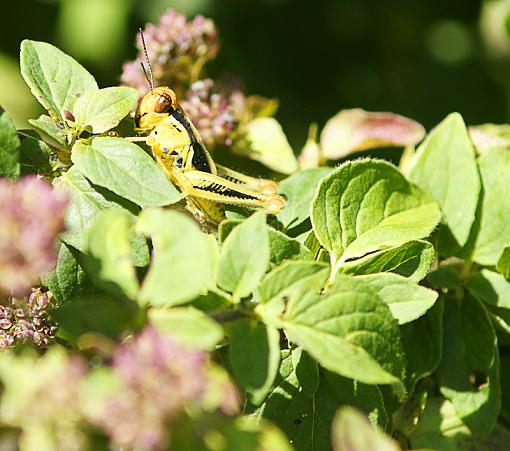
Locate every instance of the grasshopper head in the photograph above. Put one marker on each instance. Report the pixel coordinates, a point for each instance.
(155, 106)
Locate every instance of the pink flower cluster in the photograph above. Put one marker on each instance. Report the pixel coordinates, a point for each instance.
(31, 217)
(177, 49)
(159, 379)
(214, 109)
(26, 319)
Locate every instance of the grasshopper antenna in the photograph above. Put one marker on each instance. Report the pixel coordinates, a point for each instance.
(149, 76)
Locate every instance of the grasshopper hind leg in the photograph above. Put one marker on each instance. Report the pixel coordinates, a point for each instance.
(261, 185)
(203, 185)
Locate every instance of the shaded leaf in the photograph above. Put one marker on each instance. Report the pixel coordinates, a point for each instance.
(351, 431)
(67, 279)
(298, 190)
(503, 265)
(86, 202)
(108, 257)
(35, 157)
(306, 417)
(9, 143)
(423, 344)
(254, 356)
(441, 429)
(47, 125)
(490, 287)
(469, 372)
(411, 259)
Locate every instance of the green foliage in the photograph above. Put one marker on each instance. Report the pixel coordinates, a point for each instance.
(367, 206)
(244, 257)
(124, 169)
(456, 186)
(55, 79)
(9, 144)
(341, 299)
(100, 111)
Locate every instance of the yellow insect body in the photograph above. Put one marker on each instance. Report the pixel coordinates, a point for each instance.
(177, 147)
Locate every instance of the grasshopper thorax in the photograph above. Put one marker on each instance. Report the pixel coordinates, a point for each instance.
(155, 106)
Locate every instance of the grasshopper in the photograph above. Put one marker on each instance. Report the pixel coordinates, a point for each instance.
(176, 146)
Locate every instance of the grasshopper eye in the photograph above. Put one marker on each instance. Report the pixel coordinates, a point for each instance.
(163, 105)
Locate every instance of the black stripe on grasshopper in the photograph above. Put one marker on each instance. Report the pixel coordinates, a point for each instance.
(218, 189)
(199, 160)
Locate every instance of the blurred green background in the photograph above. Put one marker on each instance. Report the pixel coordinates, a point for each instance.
(420, 58)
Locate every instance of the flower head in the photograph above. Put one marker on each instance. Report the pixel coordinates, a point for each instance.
(214, 108)
(177, 49)
(159, 379)
(27, 319)
(31, 217)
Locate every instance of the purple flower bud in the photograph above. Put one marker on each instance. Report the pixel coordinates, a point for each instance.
(177, 50)
(214, 108)
(31, 217)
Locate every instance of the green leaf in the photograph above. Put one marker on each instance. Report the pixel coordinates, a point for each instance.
(290, 278)
(423, 345)
(281, 246)
(490, 136)
(456, 185)
(265, 141)
(48, 126)
(254, 356)
(96, 312)
(366, 206)
(444, 277)
(503, 265)
(188, 325)
(284, 248)
(354, 130)
(232, 434)
(349, 330)
(441, 429)
(214, 301)
(352, 431)
(108, 257)
(411, 259)
(100, 111)
(125, 169)
(406, 300)
(35, 157)
(306, 417)
(469, 372)
(298, 190)
(490, 287)
(181, 260)
(9, 143)
(244, 256)
(55, 79)
(494, 228)
(67, 279)
(86, 202)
